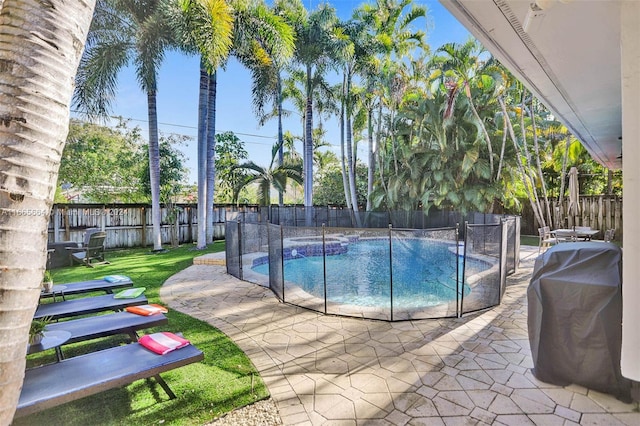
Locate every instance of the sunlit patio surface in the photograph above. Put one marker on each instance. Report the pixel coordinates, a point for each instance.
(347, 371)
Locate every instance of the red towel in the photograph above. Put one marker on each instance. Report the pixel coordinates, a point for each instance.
(146, 310)
(162, 343)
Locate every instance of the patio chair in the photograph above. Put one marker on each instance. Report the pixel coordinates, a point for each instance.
(87, 235)
(565, 236)
(94, 251)
(609, 235)
(547, 239)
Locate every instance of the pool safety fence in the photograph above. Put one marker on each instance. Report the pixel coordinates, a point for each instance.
(377, 273)
(341, 217)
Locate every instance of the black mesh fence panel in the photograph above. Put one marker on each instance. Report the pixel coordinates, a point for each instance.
(254, 238)
(232, 248)
(320, 216)
(512, 243)
(340, 217)
(482, 267)
(254, 248)
(424, 274)
(276, 275)
(303, 271)
(504, 259)
(375, 219)
(357, 272)
(387, 274)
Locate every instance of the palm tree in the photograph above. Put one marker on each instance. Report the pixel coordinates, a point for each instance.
(389, 22)
(204, 27)
(218, 28)
(461, 68)
(354, 54)
(123, 32)
(34, 106)
(275, 176)
(313, 53)
(267, 75)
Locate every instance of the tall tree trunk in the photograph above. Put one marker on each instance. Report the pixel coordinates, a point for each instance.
(536, 148)
(308, 150)
(280, 135)
(40, 47)
(372, 158)
(504, 143)
(211, 150)
(351, 161)
(482, 127)
(154, 170)
(529, 168)
(379, 158)
(343, 156)
(536, 212)
(563, 178)
(202, 156)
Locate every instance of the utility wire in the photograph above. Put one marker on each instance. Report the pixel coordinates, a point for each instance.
(184, 126)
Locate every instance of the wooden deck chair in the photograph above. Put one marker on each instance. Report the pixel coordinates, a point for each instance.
(87, 235)
(546, 238)
(609, 235)
(94, 251)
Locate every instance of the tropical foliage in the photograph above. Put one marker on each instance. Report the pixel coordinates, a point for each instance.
(450, 129)
(275, 176)
(101, 164)
(108, 165)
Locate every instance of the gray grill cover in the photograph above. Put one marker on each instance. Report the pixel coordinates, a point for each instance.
(575, 317)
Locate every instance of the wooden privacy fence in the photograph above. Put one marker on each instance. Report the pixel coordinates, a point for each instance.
(130, 225)
(599, 212)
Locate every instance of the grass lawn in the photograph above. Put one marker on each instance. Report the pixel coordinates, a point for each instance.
(225, 380)
(529, 240)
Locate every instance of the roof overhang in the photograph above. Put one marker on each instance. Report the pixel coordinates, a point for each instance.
(569, 57)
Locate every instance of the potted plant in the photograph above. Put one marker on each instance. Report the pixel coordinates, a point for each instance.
(36, 331)
(47, 281)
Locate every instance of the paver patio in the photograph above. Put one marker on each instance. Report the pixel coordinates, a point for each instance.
(347, 371)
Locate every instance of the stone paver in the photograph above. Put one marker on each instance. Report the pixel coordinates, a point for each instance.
(332, 370)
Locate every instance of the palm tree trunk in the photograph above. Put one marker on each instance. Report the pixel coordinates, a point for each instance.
(154, 170)
(35, 93)
(484, 130)
(563, 178)
(343, 157)
(529, 174)
(534, 207)
(372, 158)
(536, 148)
(378, 156)
(350, 155)
(202, 156)
(280, 135)
(504, 143)
(308, 150)
(211, 151)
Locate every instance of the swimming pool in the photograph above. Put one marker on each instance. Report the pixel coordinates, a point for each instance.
(411, 273)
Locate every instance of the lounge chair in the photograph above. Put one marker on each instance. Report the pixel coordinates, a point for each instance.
(94, 251)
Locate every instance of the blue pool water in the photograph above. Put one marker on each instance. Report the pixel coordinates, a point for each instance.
(424, 273)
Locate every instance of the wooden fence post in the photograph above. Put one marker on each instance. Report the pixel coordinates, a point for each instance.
(144, 227)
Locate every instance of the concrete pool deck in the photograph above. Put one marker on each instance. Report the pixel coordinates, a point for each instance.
(348, 371)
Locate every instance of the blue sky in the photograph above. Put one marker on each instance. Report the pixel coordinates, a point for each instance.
(178, 93)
